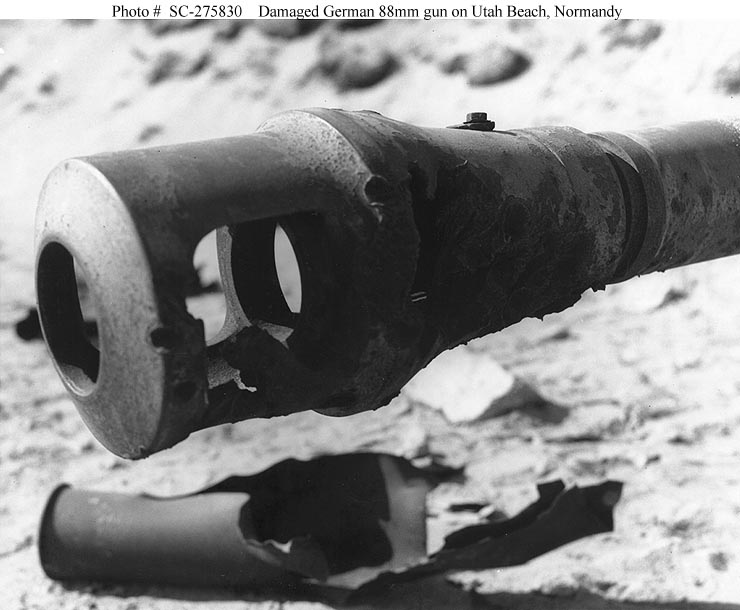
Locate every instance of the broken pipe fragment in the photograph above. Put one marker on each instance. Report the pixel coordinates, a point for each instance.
(351, 522)
(326, 517)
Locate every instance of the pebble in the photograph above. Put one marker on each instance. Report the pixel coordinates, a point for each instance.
(636, 34)
(7, 74)
(149, 132)
(718, 561)
(357, 64)
(171, 64)
(727, 79)
(494, 64)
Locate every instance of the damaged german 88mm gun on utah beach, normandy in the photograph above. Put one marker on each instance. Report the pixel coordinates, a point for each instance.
(409, 241)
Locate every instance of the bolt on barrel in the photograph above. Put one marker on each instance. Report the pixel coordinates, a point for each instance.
(409, 241)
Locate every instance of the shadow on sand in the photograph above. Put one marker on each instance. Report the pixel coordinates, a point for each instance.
(433, 593)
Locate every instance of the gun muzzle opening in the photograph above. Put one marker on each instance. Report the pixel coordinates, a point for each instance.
(77, 358)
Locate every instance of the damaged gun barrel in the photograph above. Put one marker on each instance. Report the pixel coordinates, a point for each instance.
(409, 241)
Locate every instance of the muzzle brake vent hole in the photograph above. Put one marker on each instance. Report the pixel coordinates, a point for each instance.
(63, 295)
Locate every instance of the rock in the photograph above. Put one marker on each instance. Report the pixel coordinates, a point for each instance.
(523, 397)
(650, 293)
(258, 60)
(674, 295)
(461, 384)
(635, 34)
(355, 65)
(149, 132)
(727, 79)
(229, 29)
(48, 86)
(449, 55)
(414, 442)
(86, 446)
(452, 61)
(495, 63)
(719, 561)
(171, 64)
(7, 74)
(286, 28)
(563, 333)
(467, 386)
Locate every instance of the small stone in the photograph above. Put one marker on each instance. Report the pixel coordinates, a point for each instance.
(414, 442)
(115, 463)
(727, 79)
(718, 561)
(355, 65)
(524, 398)
(687, 360)
(649, 293)
(7, 74)
(563, 333)
(494, 64)
(149, 132)
(452, 61)
(461, 384)
(171, 64)
(674, 295)
(635, 34)
(85, 446)
(228, 29)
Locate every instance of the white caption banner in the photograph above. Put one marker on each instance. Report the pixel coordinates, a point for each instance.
(405, 9)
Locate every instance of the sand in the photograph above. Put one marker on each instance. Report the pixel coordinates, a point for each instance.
(650, 383)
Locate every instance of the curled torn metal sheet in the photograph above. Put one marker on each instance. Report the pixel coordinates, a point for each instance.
(352, 523)
(409, 241)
